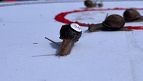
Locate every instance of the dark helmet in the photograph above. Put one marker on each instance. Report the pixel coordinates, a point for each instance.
(70, 31)
(89, 4)
(131, 15)
(113, 22)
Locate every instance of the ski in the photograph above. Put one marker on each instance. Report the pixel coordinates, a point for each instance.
(52, 41)
(45, 55)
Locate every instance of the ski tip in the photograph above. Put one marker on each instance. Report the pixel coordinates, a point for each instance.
(46, 37)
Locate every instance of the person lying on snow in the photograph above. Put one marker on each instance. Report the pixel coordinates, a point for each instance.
(69, 33)
(132, 15)
(113, 22)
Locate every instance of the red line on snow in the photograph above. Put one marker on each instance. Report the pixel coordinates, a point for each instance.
(61, 17)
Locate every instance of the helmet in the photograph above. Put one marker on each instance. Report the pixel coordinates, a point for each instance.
(113, 22)
(131, 15)
(70, 31)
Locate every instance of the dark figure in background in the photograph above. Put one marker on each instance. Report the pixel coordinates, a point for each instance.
(89, 3)
(92, 4)
(132, 15)
(113, 22)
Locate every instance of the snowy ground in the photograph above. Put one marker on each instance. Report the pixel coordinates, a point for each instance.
(98, 56)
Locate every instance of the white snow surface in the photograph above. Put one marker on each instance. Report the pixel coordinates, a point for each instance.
(97, 56)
